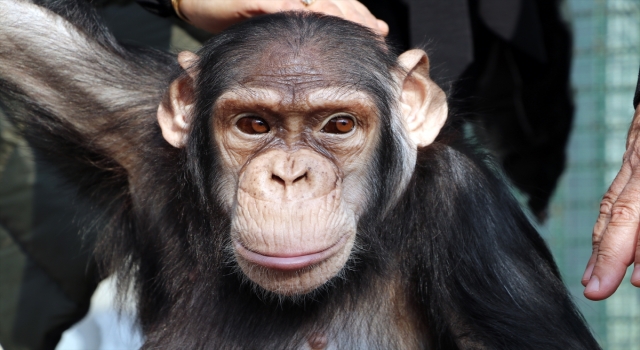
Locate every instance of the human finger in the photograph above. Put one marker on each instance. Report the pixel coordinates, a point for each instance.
(631, 140)
(270, 6)
(608, 200)
(383, 27)
(353, 13)
(215, 16)
(616, 250)
(350, 10)
(635, 276)
(371, 20)
(327, 7)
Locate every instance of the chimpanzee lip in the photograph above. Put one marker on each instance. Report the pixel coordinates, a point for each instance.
(289, 261)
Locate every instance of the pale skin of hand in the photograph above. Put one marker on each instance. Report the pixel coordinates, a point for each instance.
(216, 15)
(615, 235)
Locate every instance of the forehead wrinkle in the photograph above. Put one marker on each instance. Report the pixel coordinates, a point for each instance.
(289, 85)
(287, 66)
(289, 80)
(284, 78)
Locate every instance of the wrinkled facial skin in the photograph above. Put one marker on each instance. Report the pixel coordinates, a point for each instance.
(297, 150)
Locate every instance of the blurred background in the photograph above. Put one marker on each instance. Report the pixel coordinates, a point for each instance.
(604, 75)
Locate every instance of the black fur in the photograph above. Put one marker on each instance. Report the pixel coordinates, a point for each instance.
(475, 272)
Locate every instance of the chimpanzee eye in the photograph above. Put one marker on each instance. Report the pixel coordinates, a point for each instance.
(339, 125)
(253, 125)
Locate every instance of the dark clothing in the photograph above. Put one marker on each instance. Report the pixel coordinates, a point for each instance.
(447, 28)
(162, 8)
(505, 65)
(47, 273)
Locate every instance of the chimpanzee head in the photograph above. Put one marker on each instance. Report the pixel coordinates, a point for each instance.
(299, 124)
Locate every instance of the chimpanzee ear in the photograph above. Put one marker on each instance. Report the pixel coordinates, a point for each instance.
(174, 112)
(423, 104)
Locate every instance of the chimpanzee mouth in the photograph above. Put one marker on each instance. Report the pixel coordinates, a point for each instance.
(289, 261)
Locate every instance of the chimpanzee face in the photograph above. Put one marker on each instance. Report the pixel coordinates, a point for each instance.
(297, 148)
(292, 144)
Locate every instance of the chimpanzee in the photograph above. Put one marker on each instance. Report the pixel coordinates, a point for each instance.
(292, 185)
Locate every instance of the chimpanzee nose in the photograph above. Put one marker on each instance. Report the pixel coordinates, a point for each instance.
(289, 173)
(294, 176)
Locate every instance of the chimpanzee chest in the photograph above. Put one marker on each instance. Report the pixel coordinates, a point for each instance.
(366, 337)
(382, 320)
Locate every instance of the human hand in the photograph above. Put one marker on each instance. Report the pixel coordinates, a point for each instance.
(615, 235)
(216, 15)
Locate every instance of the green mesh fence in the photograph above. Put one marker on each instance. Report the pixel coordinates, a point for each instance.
(605, 71)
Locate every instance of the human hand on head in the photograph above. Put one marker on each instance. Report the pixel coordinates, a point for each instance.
(216, 15)
(615, 234)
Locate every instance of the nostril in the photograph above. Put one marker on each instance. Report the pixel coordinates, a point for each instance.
(277, 179)
(301, 177)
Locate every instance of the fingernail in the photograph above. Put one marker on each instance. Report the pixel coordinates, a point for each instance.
(635, 276)
(588, 272)
(594, 285)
